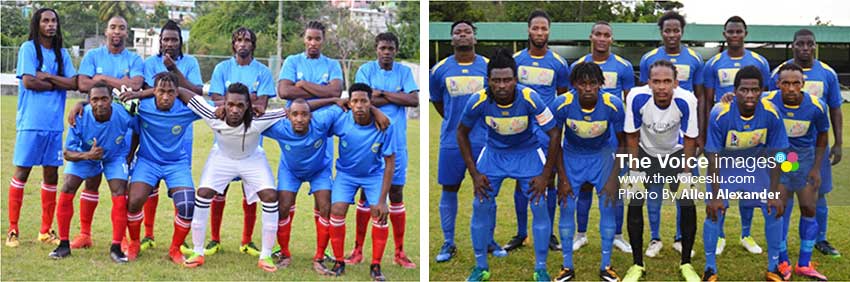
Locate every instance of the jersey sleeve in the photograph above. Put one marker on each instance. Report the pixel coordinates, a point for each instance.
(563, 76)
(473, 110)
(69, 69)
(699, 77)
(617, 118)
(268, 119)
(408, 82)
(217, 81)
(542, 114)
(821, 118)
(388, 146)
(777, 137)
(772, 81)
(832, 95)
(560, 113)
(288, 70)
(74, 140)
(709, 75)
(266, 83)
(137, 67)
(275, 131)
(202, 109)
(335, 70)
(644, 69)
(714, 142)
(764, 68)
(633, 118)
(87, 64)
(362, 75)
(326, 116)
(149, 71)
(628, 76)
(27, 61)
(435, 86)
(193, 73)
(688, 125)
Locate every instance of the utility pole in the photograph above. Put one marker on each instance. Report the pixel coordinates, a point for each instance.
(279, 58)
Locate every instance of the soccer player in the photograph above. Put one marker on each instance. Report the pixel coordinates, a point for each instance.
(106, 122)
(719, 78)
(746, 127)
(366, 158)
(245, 69)
(160, 156)
(591, 118)
(659, 114)
(512, 151)
(619, 79)
(452, 81)
(547, 73)
(237, 154)
(46, 72)
(807, 127)
(393, 89)
(821, 81)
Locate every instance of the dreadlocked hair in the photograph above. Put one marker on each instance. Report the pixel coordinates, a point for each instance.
(172, 25)
(56, 42)
(240, 89)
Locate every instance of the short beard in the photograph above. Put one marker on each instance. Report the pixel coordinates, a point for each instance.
(464, 48)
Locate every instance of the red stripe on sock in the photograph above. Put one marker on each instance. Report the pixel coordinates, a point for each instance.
(88, 204)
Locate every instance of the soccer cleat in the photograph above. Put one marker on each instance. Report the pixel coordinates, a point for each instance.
(554, 245)
(609, 275)
(479, 274)
(634, 273)
(266, 264)
(826, 248)
(654, 248)
(176, 256)
(116, 254)
(133, 250)
(193, 261)
(60, 252)
(773, 276)
(721, 244)
(709, 275)
(147, 243)
(809, 272)
(566, 274)
(212, 248)
(375, 273)
(283, 261)
(12, 239)
(496, 250)
(785, 269)
(401, 259)
(320, 268)
(355, 257)
(49, 238)
(541, 275)
(579, 241)
(338, 269)
(688, 272)
(678, 247)
(621, 244)
(81, 242)
(447, 252)
(125, 244)
(250, 249)
(750, 244)
(515, 243)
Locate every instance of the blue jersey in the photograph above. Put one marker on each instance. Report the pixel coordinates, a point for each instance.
(589, 131)
(399, 79)
(543, 74)
(803, 122)
(619, 73)
(689, 66)
(509, 126)
(161, 132)
(187, 64)
(256, 76)
(110, 134)
(304, 155)
(820, 80)
(320, 71)
(721, 69)
(41, 110)
(362, 148)
(451, 84)
(121, 65)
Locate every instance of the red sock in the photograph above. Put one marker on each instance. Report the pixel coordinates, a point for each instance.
(16, 198)
(88, 203)
(398, 217)
(134, 225)
(119, 218)
(64, 213)
(337, 232)
(216, 213)
(48, 206)
(362, 219)
(248, 221)
(181, 229)
(379, 240)
(323, 235)
(150, 211)
(284, 230)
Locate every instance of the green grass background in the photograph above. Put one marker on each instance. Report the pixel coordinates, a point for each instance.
(29, 261)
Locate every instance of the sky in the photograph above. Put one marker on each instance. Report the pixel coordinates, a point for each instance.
(763, 12)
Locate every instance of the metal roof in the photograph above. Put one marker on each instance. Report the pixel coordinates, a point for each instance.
(642, 32)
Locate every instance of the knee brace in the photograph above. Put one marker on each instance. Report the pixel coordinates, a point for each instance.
(184, 202)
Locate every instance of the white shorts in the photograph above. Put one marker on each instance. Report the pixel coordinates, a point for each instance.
(254, 170)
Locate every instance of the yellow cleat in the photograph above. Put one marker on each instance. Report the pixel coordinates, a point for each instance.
(12, 239)
(49, 238)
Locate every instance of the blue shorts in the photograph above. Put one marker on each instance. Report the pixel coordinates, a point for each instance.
(594, 169)
(113, 169)
(400, 172)
(175, 175)
(825, 174)
(450, 168)
(287, 181)
(38, 148)
(524, 163)
(345, 186)
(796, 180)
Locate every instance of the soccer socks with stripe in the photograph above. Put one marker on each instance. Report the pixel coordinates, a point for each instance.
(216, 215)
(88, 203)
(362, 217)
(521, 208)
(585, 199)
(119, 218)
(337, 232)
(269, 220)
(541, 229)
(821, 216)
(567, 228)
(380, 233)
(184, 204)
(150, 211)
(182, 226)
(134, 225)
(284, 232)
(635, 228)
(688, 226)
(48, 206)
(773, 234)
(323, 236)
(199, 223)
(398, 217)
(64, 213)
(653, 211)
(248, 221)
(710, 233)
(746, 219)
(607, 224)
(448, 213)
(481, 228)
(16, 198)
(808, 232)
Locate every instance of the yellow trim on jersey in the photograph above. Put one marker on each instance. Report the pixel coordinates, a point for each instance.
(606, 99)
(505, 106)
(770, 107)
(724, 109)
(588, 111)
(486, 60)
(816, 101)
(776, 70)
(748, 118)
(526, 94)
(438, 65)
(758, 57)
(582, 59)
(693, 54)
(791, 106)
(650, 53)
(827, 67)
(770, 95)
(465, 64)
(568, 99)
(482, 96)
(517, 53)
(621, 60)
(715, 58)
(561, 59)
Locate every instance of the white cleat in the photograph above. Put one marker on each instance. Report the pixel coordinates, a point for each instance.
(721, 244)
(621, 244)
(678, 247)
(579, 241)
(654, 248)
(751, 245)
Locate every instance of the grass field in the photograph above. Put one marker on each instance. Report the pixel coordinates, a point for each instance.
(735, 263)
(30, 262)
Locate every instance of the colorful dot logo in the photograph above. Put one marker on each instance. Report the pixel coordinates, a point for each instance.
(788, 163)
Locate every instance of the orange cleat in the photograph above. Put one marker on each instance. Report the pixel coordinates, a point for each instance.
(133, 250)
(402, 259)
(81, 242)
(176, 256)
(355, 257)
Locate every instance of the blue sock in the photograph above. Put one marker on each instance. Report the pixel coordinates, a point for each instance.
(606, 231)
(821, 217)
(808, 231)
(709, 237)
(772, 230)
(448, 213)
(481, 230)
(746, 219)
(786, 217)
(653, 207)
(678, 236)
(721, 232)
(567, 228)
(541, 229)
(619, 210)
(552, 202)
(521, 207)
(585, 199)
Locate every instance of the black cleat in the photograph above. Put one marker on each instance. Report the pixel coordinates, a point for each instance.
(338, 269)
(515, 243)
(116, 254)
(320, 268)
(566, 274)
(709, 275)
(827, 249)
(62, 251)
(375, 273)
(553, 244)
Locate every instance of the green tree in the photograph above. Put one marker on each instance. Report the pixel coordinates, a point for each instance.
(14, 25)
(160, 14)
(407, 30)
(79, 20)
(346, 39)
(126, 9)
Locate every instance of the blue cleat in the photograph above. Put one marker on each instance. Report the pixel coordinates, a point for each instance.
(479, 274)
(447, 252)
(541, 275)
(496, 250)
